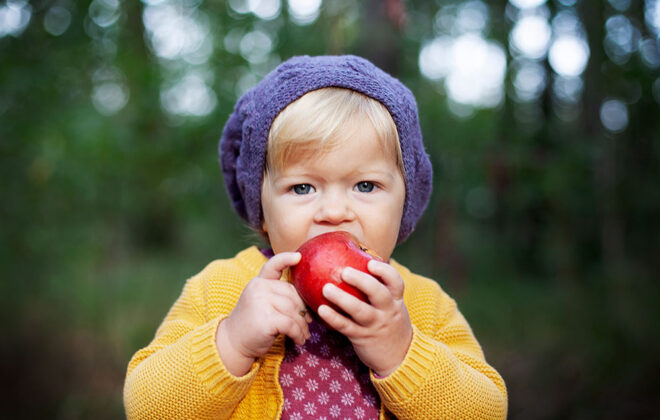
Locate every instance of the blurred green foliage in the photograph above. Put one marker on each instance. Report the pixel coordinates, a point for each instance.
(544, 229)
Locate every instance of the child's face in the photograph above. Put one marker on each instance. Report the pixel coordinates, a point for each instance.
(356, 187)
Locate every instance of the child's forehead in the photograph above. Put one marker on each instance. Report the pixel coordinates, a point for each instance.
(324, 121)
(363, 145)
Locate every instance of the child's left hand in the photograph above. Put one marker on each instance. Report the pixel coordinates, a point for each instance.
(380, 331)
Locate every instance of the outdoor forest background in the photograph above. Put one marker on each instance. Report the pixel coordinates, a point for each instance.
(542, 119)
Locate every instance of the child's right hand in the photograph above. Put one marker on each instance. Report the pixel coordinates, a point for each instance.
(266, 308)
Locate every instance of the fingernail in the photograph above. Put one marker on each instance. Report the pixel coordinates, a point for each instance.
(323, 310)
(327, 288)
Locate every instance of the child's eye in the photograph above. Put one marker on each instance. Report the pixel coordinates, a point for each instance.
(301, 189)
(365, 186)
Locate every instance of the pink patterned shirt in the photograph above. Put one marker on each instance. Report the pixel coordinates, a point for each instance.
(324, 379)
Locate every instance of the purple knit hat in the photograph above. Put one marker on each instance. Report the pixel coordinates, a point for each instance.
(243, 143)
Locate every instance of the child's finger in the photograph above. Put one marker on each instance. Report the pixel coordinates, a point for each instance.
(288, 291)
(287, 302)
(292, 327)
(289, 305)
(389, 277)
(275, 266)
(336, 321)
(360, 312)
(378, 293)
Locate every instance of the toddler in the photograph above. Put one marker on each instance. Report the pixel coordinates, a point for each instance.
(320, 144)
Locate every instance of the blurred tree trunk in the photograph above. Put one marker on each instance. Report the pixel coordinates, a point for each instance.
(606, 174)
(380, 37)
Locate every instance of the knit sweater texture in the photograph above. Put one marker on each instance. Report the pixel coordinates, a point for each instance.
(180, 375)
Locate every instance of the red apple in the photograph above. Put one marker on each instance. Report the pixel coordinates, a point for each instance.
(323, 259)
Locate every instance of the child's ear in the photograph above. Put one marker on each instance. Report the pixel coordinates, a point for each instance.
(264, 228)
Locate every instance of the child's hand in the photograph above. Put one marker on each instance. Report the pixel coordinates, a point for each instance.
(381, 332)
(266, 308)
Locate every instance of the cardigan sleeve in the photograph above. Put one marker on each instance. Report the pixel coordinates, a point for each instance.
(444, 374)
(180, 375)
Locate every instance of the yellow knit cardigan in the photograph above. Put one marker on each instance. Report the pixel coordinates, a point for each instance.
(180, 375)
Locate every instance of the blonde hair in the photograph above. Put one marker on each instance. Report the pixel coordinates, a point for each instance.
(317, 122)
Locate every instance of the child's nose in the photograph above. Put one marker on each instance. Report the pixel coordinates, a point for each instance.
(335, 208)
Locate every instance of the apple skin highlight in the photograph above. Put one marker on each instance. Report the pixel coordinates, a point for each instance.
(323, 259)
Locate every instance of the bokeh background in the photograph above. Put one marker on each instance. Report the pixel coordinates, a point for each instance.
(542, 119)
